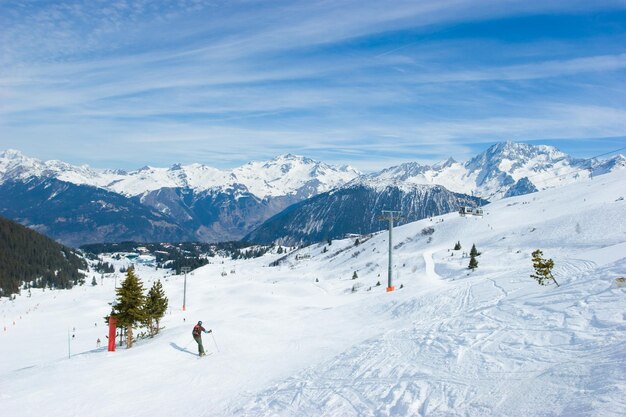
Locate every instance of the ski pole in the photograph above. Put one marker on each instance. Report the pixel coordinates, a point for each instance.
(218, 349)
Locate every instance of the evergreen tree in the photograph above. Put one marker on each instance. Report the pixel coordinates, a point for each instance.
(93, 281)
(129, 309)
(104, 268)
(354, 276)
(457, 246)
(543, 268)
(155, 307)
(474, 252)
(357, 242)
(473, 263)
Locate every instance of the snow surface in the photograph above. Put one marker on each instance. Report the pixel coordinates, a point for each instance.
(450, 343)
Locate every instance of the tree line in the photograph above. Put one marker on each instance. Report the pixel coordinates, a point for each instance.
(174, 256)
(31, 260)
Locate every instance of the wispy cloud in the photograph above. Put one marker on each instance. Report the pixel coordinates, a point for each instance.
(349, 81)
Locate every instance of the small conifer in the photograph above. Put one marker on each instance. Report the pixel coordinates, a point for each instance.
(155, 307)
(543, 268)
(473, 263)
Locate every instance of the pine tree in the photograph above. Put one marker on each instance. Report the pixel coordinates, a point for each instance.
(474, 252)
(93, 281)
(155, 307)
(354, 276)
(473, 263)
(543, 268)
(457, 246)
(129, 309)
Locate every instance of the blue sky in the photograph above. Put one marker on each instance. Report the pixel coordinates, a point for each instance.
(123, 84)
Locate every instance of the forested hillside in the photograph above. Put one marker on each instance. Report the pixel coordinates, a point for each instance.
(29, 257)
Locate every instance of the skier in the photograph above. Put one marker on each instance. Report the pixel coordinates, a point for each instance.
(197, 336)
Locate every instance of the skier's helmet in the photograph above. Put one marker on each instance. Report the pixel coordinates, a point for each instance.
(200, 323)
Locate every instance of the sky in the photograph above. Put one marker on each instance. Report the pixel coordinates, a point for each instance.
(123, 84)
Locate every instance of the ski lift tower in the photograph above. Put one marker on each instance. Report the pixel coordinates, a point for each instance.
(184, 270)
(390, 215)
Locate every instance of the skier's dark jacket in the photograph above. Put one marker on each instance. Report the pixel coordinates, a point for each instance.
(197, 330)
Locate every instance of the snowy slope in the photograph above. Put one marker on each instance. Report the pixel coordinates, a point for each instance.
(450, 343)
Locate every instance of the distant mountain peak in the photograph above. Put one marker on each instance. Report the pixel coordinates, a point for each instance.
(291, 158)
(12, 154)
(516, 150)
(446, 164)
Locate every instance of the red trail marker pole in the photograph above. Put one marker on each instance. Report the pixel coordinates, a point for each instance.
(112, 332)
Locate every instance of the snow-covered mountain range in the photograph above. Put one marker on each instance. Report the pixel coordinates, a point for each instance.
(198, 202)
(79, 205)
(488, 175)
(493, 172)
(283, 175)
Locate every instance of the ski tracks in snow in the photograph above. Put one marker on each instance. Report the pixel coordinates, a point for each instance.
(413, 370)
(471, 347)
